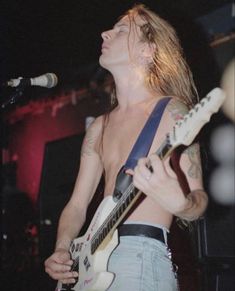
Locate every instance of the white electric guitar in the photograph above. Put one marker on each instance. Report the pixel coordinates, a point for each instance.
(91, 252)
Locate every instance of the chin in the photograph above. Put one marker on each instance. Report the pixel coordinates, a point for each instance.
(102, 62)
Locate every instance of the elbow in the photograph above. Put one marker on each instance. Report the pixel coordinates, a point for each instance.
(197, 205)
(201, 205)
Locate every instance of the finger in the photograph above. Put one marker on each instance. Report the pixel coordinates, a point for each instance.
(143, 161)
(69, 280)
(140, 184)
(68, 263)
(141, 179)
(63, 276)
(145, 173)
(158, 165)
(129, 172)
(142, 168)
(146, 162)
(57, 267)
(170, 171)
(70, 276)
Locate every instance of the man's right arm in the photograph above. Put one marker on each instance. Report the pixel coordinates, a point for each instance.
(74, 214)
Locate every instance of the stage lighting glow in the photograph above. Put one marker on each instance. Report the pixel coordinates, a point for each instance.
(222, 143)
(222, 185)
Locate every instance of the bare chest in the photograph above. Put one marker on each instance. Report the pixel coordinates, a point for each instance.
(119, 139)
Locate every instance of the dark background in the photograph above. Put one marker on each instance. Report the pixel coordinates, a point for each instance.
(63, 37)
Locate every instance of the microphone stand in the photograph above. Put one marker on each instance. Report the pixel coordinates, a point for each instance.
(14, 97)
(18, 92)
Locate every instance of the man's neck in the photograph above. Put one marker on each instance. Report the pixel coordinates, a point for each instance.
(131, 89)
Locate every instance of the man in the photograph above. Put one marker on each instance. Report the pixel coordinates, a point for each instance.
(143, 54)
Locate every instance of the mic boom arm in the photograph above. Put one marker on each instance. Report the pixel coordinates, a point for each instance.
(48, 80)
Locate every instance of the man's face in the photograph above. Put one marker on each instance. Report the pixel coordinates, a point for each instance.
(121, 45)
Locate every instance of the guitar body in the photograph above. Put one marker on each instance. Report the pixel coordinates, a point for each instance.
(93, 274)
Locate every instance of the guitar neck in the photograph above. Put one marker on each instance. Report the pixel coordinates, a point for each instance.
(165, 149)
(124, 204)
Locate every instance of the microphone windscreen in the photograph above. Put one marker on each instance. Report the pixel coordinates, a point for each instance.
(47, 80)
(52, 80)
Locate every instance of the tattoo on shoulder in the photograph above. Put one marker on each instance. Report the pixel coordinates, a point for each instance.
(177, 110)
(195, 169)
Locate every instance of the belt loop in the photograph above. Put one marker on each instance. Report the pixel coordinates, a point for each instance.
(165, 236)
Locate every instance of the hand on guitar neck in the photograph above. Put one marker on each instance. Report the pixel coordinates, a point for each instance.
(58, 266)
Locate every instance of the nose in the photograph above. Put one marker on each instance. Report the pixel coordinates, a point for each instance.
(105, 35)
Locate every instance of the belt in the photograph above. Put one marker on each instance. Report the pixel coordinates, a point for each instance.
(142, 230)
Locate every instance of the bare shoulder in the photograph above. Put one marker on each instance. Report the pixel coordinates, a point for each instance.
(96, 125)
(92, 138)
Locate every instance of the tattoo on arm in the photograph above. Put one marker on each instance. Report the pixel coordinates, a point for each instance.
(195, 170)
(88, 143)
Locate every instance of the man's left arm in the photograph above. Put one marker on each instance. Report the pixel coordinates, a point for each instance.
(196, 200)
(179, 191)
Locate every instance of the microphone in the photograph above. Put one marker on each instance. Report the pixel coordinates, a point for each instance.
(47, 80)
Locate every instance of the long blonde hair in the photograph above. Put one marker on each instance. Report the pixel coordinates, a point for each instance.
(168, 73)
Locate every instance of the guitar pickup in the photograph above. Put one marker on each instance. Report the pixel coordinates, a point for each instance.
(86, 263)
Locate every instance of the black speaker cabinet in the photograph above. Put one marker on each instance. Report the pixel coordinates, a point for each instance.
(218, 277)
(217, 233)
(216, 248)
(60, 168)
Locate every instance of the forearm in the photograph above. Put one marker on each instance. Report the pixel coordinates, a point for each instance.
(195, 205)
(70, 223)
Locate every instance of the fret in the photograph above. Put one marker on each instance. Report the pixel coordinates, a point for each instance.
(128, 200)
(164, 149)
(119, 211)
(109, 227)
(122, 208)
(105, 231)
(101, 236)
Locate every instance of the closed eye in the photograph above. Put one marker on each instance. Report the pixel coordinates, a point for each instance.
(120, 27)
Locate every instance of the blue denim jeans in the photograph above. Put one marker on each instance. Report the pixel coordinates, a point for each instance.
(142, 264)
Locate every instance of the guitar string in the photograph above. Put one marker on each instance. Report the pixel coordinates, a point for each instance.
(120, 202)
(118, 206)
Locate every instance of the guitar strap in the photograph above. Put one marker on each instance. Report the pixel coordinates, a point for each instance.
(141, 147)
